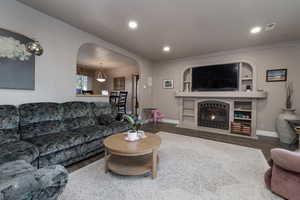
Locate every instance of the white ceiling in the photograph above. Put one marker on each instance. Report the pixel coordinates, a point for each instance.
(92, 55)
(190, 27)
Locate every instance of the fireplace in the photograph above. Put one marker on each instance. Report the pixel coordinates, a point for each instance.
(213, 114)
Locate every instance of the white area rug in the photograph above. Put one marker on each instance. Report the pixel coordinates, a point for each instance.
(189, 169)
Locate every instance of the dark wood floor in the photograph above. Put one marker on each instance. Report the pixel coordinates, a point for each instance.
(263, 143)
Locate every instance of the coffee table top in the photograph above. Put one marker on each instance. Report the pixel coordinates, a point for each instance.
(117, 144)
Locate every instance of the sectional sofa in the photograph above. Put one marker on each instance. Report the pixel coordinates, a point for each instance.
(37, 138)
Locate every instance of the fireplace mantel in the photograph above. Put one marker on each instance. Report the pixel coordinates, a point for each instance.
(238, 94)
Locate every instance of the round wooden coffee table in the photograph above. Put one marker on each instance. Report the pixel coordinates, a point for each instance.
(132, 158)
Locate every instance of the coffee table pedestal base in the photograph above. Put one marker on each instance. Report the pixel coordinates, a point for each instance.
(132, 165)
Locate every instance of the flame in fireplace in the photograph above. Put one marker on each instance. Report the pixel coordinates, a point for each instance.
(212, 117)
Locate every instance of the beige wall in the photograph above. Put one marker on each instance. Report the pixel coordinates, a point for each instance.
(262, 58)
(55, 70)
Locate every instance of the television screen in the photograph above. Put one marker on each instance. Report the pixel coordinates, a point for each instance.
(216, 78)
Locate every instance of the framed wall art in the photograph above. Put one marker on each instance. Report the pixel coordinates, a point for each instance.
(17, 64)
(276, 75)
(168, 84)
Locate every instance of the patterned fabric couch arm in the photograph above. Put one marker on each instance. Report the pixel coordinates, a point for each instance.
(19, 181)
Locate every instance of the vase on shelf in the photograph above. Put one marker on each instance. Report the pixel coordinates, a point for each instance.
(284, 130)
(186, 87)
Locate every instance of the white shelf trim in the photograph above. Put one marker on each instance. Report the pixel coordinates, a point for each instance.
(237, 94)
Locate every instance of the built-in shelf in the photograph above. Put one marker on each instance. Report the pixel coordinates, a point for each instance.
(242, 110)
(188, 108)
(247, 79)
(234, 94)
(244, 119)
(188, 115)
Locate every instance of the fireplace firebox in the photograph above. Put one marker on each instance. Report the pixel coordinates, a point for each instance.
(213, 114)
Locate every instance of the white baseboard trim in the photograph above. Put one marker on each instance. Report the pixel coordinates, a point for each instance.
(266, 133)
(171, 121)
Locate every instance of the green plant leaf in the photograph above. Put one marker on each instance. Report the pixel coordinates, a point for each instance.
(130, 120)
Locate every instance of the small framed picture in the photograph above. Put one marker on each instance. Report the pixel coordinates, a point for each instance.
(168, 84)
(276, 75)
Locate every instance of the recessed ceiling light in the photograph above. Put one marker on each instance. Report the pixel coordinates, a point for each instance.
(166, 48)
(133, 24)
(255, 30)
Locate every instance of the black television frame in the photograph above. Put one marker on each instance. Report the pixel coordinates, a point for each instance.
(222, 89)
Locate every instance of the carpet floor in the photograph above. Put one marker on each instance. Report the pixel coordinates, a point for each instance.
(189, 169)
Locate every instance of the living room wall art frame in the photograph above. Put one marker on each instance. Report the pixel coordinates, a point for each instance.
(276, 75)
(168, 84)
(17, 65)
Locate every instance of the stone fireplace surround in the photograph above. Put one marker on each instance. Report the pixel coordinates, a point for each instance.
(188, 103)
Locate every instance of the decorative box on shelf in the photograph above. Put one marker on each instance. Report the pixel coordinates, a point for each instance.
(240, 128)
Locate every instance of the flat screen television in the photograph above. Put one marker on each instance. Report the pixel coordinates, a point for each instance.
(216, 78)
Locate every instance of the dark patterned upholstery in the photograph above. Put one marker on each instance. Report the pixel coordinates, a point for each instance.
(100, 108)
(11, 147)
(48, 144)
(9, 123)
(93, 132)
(52, 143)
(118, 126)
(38, 119)
(72, 155)
(106, 115)
(77, 115)
(19, 150)
(51, 133)
(105, 119)
(20, 181)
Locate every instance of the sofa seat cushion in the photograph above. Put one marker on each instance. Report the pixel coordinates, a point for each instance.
(118, 126)
(19, 150)
(93, 132)
(54, 142)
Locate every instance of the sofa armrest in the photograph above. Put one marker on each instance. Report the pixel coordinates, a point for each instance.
(286, 159)
(43, 184)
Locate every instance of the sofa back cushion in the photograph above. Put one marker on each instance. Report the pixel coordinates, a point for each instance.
(77, 115)
(104, 112)
(38, 119)
(103, 108)
(9, 124)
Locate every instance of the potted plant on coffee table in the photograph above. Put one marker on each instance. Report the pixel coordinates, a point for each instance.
(134, 124)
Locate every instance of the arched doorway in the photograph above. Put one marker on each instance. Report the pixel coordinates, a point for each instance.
(101, 71)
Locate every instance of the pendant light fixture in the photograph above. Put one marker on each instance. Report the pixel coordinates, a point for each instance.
(101, 76)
